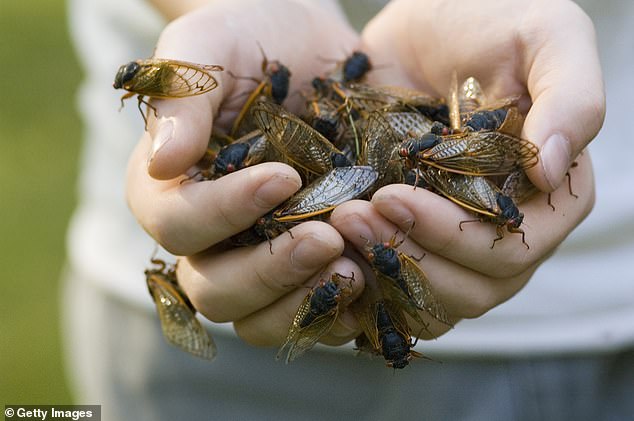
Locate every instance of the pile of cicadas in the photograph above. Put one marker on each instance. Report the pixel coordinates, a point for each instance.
(351, 139)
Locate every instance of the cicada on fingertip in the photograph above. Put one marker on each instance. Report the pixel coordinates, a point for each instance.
(164, 78)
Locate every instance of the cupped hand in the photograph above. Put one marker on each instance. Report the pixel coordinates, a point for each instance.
(252, 286)
(544, 50)
(467, 275)
(535, 49)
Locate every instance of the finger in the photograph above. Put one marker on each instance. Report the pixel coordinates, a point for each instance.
(231, 285)
(465, 293)
(565, 83)
(189, 217)
(380, 41)
(437, 225)
(270, 325)
(180, 134)
(181, 129)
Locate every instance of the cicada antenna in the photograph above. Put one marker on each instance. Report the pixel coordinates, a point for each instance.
(265, 60)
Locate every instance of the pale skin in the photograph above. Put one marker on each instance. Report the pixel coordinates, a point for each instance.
(526, 49)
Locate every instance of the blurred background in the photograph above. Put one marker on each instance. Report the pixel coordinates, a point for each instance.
(39, 146)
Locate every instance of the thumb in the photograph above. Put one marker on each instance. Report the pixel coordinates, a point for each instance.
(180, 127)
(180, 134)
(566, 85)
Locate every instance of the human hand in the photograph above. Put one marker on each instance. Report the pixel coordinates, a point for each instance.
(543, 50)
(255, 289)
(546, 53)
(467, 275)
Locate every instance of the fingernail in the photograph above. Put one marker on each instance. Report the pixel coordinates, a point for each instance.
(354, 227)
(393, 209)
(163, 135)
(275, 190)
(311, 253)
(556, 159)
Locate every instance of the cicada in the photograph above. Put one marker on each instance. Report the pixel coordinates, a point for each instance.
(312, 202)
(380, 150)
(176, 313)
(482, 153)
(323, 115)
(382, 137)
(356, 66)
(353, 68)
(302, 145)
(250, 149)
(403, 281)
(164, 78)
(386, 333)
(274, 86)
(479, 195)
(325, 193)
(518, 187)
(365, 99)
(316, 315)
(470, 109)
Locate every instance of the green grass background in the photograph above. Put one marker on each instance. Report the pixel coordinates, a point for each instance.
(39, 144)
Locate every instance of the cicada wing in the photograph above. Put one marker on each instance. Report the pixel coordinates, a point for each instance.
(408, 124)
(470, 96)
(166, 78)
(307, 337)
(513, 122)
(295, 328)
(380, 150)
(420, 289)
(178, 322)
(484, 153)
(310, 324)
(330, 190)
(370, 98)
(471, 192)
(518, 187)
(242, 123)
(397, 316)
(300, 143)
(365, 311)
(399, 297)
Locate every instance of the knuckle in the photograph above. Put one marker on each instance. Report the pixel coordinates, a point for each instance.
(255, 335)
(514, 263)
(170, 237)
(229, 216)
(480, 304)
(270, 283)
(592, 107)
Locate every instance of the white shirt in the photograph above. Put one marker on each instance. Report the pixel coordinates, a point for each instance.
(582, 299)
